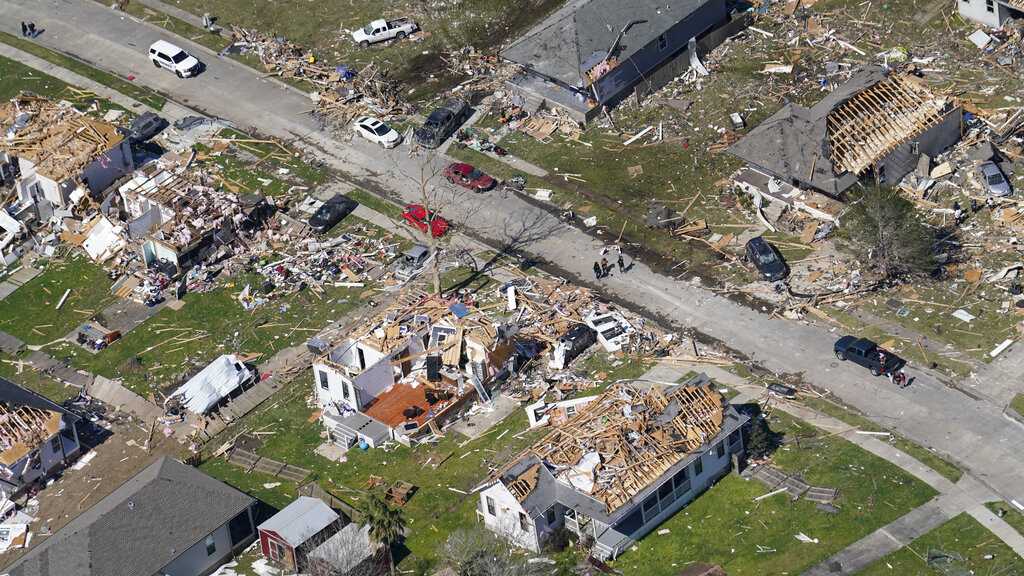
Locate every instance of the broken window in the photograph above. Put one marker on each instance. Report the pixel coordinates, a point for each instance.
(524, 522)
(651, 506)
(323, 379)
(490, 505)
(698, 466)
(211, 545)
(665, 492)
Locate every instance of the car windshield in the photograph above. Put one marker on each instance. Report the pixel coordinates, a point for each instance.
(996, 178)
(764, 255)
(381, 129)
(179, 57)
(474, 174)
(368, 30)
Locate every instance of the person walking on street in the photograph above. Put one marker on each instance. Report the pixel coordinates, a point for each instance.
(597, 270)
(606, 268)
(31, 29)
(901, 379)
(24, 29)
(622, 263)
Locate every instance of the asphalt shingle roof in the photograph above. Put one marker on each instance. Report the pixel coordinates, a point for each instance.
(140, 527)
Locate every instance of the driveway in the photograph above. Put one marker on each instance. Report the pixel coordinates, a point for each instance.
(972, 432)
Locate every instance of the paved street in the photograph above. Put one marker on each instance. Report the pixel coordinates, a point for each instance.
(972, 432)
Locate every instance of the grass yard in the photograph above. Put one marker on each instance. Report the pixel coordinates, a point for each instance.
(1018, 404)
(433, 512)
(280, 323)
(177, 26)
(608, 368)
(962, 536)
(250, 165)
(30, 313)
(137, 92)
(726, 527)
(376, 203)
(926, 456)
(35, 381)
(1011, 515)
(416, 62)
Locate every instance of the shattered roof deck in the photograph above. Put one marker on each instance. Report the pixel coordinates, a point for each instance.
(829, 144)
(26, 420)
(621, 443)
(57, 139)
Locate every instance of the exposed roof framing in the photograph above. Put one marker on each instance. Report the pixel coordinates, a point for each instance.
(875, 121)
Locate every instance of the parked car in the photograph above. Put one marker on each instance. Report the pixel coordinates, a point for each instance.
(165, 55)
(781, 390)
(146, 126)
(868, 354)
(381, 30)
(377, 131)
(331, 212)
(412, 262)
(767, 259)
(467, 176)
(416, 215)
(995, 182)
(442, 123)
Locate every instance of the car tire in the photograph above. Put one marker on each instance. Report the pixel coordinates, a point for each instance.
(875, 372)
(841, 356)
(364, 44)
(155, 63)
(178, 74)
(401, 35)
(450, 179)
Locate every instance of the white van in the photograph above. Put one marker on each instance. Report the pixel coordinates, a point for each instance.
(163, 54)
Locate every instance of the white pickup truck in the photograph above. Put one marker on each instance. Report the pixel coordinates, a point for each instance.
(381, 30)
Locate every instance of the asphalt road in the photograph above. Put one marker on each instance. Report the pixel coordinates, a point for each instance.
(972, 432)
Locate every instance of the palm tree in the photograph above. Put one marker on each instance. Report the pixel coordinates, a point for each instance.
(387, 525)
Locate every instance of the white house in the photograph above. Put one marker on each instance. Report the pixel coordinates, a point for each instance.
(682, 439)
(59, 155)
(991, 13)
(37, 438)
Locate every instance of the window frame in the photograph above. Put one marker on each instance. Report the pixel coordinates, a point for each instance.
(211, 544)
(490, 505)
(524, 522)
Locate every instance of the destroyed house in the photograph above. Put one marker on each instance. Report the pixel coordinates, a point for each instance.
(624, 463)
(167, 519)
(407, 370)
(878, 122)
(181, 221)
(37, 438)
(992, 13)
(590, 55)
(58, 155)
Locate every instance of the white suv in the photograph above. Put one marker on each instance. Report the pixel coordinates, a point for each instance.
(163, 54)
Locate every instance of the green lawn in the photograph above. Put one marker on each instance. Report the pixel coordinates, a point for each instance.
(962, 536)
(177, 26)
(253, 166)
(1012, 516)
(432, 513)
(228, 328)
(134, 91)
(927, 457)
(30, 312)
(35, 381)
(252, 483)
(1018, 404)
(726, 526)
(376, 203)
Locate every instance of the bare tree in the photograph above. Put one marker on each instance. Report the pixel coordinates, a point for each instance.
(480, 552)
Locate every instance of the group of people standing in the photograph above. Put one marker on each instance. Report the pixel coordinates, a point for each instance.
(29, 30)
(603, 268)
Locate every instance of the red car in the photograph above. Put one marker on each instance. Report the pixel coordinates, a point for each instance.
(467, 176)
(416, 215)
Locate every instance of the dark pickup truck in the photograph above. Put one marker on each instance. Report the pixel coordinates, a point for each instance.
(442, 123)
(866, 353)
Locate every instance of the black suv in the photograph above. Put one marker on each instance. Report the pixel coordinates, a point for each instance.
(442, 123)
(767, 259)
(332, 212)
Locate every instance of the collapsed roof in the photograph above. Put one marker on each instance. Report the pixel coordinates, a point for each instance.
(620, 444)
(829, 145)
(570, 46)
(56, 139)
(26, 420)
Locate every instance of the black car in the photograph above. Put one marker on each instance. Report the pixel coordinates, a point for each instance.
(767, 259)
(442, 123)
(781, 390)
(333, 211)
(146, 126)
(868, 354)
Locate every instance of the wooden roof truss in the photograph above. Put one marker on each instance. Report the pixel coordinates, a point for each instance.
(867, 127)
